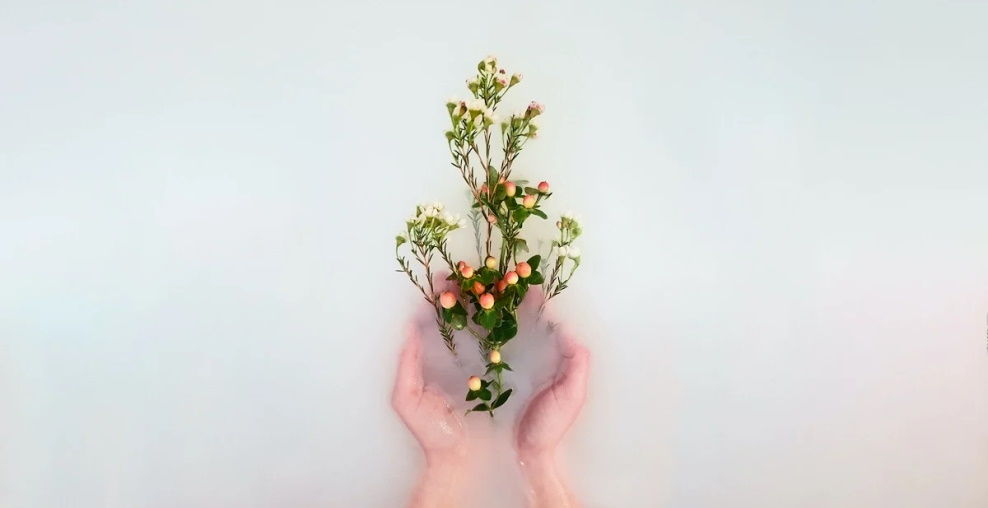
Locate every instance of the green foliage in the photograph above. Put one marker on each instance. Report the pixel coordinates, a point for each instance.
(506, 330)
(501, 399)
(487, 318)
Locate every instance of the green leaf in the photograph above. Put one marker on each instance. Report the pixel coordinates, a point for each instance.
(447, 315)
(531, 190)
(480, 407)
(466, 285)
(499, 193)
(520, 245)
(502, 399)
(506, 330)
(535, 278)
(539, 213)
(520, 214)
(472, 395)
(486, 275)
(511, 203)
(487, 319)
(484, 394)
(505, 366)
(534, 261)
(459, 321)
(491, 176)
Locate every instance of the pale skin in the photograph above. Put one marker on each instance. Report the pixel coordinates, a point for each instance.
(440, 430)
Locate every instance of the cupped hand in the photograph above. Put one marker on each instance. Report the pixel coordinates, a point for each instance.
(553, 410)
(426, 411)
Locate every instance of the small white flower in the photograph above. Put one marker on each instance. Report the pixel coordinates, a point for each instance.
(562, 251)
(462, 223)
(430, 212)
(478, 120)
(450, 219)
(477, 105)
(437, 205)
(574, 253)
(402, 236)
(495, 118)
(568, 215)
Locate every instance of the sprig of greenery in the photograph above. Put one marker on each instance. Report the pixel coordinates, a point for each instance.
(486, 299)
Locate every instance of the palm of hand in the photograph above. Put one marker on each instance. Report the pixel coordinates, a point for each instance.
(553, 410)
(425, 410)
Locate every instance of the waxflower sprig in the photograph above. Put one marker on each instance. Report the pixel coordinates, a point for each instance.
(487, 296)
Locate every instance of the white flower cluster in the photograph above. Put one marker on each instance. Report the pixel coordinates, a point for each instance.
(564, 251)
(440, 218)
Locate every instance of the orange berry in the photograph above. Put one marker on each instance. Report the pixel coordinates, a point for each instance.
(523, 269)
(486, 301)
(447, 300)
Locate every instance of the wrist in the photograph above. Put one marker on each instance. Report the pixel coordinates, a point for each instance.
(447, 458)
(536, 463)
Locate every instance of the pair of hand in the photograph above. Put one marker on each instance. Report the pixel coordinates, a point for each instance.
(439, 429)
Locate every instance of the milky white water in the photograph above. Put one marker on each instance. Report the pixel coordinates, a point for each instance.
(785, 279)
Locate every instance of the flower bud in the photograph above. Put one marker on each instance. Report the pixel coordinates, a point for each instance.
(486, 301)
(477, 289)
(466, 271)
(492, 218)
(490, 262)
(473, 383)
(534, 109)
(501, 285)
(528, 201)
(511, 277)
(510, 189)
(447, 300)
(460, 265)
(516, 78)
(495, 356)
(543, 187)
(574, 253)
(523, 269)
(562, 251)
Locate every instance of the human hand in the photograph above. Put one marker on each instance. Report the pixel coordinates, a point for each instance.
(430, 417)
(546, 420)
(553, 410)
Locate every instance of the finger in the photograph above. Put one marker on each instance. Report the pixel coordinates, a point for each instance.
(533, 299)
(409, 383)
(441, 284)
(574, 371)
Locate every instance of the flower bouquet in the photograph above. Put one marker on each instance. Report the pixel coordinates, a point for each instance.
(488, 294)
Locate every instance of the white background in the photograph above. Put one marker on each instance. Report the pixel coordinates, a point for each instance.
(785, 278)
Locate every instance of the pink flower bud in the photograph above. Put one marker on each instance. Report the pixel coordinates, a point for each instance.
(490, 262)
(535, 109)
(511, 277)
(492, 218)
(477, 288)
(466, 271)
(447, 300)
(523, 269)
(543, 187)
(473, 383)
(528, 201)
(510, 189)
(495, 356)
(460, 265)
(486, 301)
